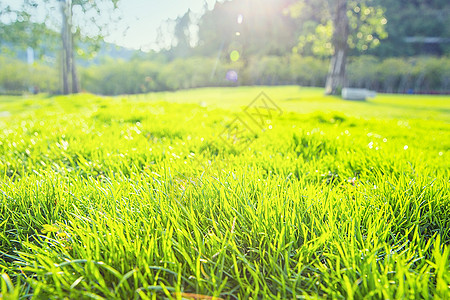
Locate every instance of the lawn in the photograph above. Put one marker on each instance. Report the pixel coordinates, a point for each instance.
(225, 193)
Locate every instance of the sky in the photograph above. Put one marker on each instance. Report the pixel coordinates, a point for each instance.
(143, 17)
(139, 22)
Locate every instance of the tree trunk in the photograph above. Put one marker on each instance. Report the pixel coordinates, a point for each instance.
(69, 74)
(65, 65)
(336, 73)
(75, 82)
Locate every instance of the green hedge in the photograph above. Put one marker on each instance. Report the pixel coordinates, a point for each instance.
(400, 75)
(17, 77)
(392, 75)
(141, 76)
(113, 77)
(138, 76)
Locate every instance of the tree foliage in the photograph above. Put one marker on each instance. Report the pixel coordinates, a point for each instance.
(17, 29)
(365, 19)
(332, 27)
(414, 18)
(73, 20)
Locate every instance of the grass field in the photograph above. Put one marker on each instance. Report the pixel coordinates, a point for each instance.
(207, 192)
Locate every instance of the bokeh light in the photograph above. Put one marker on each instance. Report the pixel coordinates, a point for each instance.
(232, 76)
(240, 18)
(234, 55)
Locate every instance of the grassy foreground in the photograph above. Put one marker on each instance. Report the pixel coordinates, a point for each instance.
(169, 195)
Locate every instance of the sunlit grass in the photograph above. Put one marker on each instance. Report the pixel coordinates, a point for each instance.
(138, 197)
(306, 100)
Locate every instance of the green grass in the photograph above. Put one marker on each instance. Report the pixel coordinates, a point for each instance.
(139, 197)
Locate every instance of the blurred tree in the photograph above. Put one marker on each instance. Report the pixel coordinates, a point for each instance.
(69, 71)
(332, 27)
(418, 18)
(182, 35)
(92, 13)
(16, 29)
(21, 25)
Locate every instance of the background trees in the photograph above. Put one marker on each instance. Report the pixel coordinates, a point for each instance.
(322, 28)
(91, 14)
(277, 42)
(93, 22)
(333, 27)
(417, 18)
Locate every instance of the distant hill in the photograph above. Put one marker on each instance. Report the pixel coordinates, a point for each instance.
(108, 50)
(49, 56)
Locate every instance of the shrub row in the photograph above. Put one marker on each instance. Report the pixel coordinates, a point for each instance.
(398, 75)
(138, 76)
(112, 77)
(17, 77)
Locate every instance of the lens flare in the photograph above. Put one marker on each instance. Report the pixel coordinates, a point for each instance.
(234, 55)
(240, 18)
(232, 76)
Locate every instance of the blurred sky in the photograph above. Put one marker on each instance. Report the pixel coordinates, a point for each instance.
(143, 17)
(140, 20)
